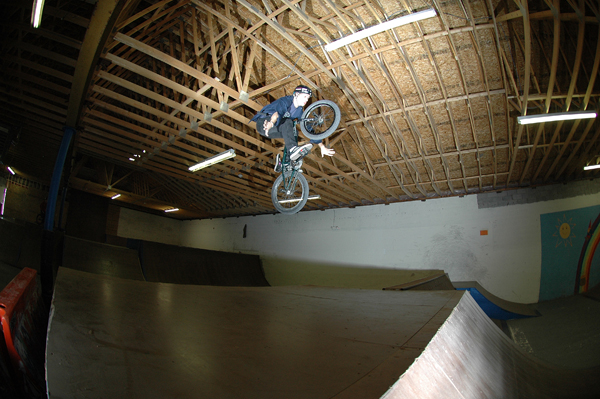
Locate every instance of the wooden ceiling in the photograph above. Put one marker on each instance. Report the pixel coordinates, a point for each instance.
(428, 109)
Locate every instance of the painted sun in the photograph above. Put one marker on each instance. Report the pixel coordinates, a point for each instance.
(564, 232)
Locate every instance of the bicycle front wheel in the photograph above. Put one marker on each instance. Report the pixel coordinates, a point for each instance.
(320, 119)
(289, 195)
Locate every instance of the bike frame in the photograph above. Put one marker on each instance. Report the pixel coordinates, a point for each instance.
(288, 179)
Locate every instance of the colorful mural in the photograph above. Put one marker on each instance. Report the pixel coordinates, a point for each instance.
(569, 242)
(584, 266)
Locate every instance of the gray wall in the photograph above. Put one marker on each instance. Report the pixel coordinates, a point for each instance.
(446, 233)
(147, 227)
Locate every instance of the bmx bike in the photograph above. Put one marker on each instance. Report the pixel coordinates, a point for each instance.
(290, 190)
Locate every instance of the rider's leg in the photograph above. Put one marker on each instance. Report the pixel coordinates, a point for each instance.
(290, 136)
(274, 133)
(285, 131)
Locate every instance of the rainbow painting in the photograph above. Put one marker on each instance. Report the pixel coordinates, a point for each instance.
(587, 255)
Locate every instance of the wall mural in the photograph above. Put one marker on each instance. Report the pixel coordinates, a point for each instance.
(569, 243)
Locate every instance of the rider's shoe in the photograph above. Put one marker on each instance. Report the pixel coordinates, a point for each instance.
(278, 163)
(298, 152)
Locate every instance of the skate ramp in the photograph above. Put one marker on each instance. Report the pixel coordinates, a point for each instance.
(95, 257)
(155, 262)
(183, 265)
(20, 244)
(496, 307)
(469, 357)
(435, 282)
(118, 338)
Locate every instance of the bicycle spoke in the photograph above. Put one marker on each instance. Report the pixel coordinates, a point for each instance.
(321, 119)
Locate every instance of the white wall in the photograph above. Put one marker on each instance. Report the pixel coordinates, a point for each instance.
(144, 226)
(436, 234)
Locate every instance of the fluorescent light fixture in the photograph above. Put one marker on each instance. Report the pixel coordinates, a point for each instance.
(3, 202)
(115, 196)
(172, 210)
(559, 116)
(312, 197)
(590, 167)
(230, 153)
(12, 172)
(373, 30)
(36, 13)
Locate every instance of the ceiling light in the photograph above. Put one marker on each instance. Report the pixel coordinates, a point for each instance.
(12, 172)
(171, 210)
(3, 202)
(288, 201)
(590, 167)
(115, 196)
(559, 116)
(230, 153)
(394, 23)
(36, 13)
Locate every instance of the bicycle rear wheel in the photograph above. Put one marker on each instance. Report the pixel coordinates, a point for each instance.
(320, 119)
(290, 195)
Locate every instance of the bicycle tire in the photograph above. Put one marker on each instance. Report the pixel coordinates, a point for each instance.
(297, 196)
(327, 115)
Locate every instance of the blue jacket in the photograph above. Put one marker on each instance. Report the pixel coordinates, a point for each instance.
(282, 106)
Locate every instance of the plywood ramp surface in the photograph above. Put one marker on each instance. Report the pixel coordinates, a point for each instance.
(119, 338)
(470, 357)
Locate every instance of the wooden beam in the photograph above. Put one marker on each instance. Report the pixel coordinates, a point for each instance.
(568, 101)
(553, 69)
(523, 6)
(159, 55)
(102, 22)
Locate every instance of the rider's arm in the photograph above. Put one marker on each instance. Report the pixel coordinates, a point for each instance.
(270, 123)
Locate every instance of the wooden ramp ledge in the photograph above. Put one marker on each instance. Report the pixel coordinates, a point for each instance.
(439, 281)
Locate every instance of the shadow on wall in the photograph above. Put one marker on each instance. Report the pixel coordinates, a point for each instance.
(280, 271)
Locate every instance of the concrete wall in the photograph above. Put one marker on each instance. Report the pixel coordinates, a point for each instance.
(23, 199)
(447, 233)
(144, 226)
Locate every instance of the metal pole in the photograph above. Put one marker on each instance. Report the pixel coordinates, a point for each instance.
(56, 176)
(48, 243)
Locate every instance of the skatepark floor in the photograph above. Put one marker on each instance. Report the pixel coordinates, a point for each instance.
(567, 334)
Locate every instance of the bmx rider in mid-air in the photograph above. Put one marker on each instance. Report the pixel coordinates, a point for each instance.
(276, 121)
